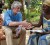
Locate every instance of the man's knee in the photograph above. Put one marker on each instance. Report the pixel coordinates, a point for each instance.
(9, 33)
(7, 30)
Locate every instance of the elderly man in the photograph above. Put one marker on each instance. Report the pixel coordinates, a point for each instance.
(12, 19)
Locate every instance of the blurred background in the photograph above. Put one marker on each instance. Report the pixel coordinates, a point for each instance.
(31, 9)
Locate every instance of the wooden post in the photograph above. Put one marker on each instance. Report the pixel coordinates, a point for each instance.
(22, 9)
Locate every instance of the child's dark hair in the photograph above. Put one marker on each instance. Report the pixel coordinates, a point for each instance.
(47, 10)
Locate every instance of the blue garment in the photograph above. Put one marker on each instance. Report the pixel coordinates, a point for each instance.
(10, 17)
(32, 40)
(42, 40)
(46, 24)
(45, 39)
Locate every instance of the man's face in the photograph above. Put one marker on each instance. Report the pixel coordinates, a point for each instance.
(16, 10)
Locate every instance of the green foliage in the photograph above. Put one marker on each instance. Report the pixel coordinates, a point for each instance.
(35, 3)
(9, 2)
(34, 10)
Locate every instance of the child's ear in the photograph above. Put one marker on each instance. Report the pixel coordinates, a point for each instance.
(1, 18)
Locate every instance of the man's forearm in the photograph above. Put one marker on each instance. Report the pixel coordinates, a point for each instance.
(23, 23)
(15, 23)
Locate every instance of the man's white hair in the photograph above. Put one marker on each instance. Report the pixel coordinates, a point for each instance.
(16, 4)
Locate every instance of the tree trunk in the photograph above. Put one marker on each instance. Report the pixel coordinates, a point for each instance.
(22, 9)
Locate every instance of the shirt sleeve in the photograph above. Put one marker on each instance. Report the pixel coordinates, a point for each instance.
(7, 18)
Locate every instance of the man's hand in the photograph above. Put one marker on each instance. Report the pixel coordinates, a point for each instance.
(26, 25)
(29, 26)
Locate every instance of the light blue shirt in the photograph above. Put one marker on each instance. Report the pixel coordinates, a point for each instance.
(10, 17)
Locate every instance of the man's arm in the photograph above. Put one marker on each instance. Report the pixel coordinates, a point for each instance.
(9, 22)
(23, 23)
(15, 23)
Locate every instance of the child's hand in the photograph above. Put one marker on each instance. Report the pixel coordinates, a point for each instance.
(1, 34)
(29, 26)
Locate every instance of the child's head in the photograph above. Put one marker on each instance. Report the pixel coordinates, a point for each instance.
(46, 6)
